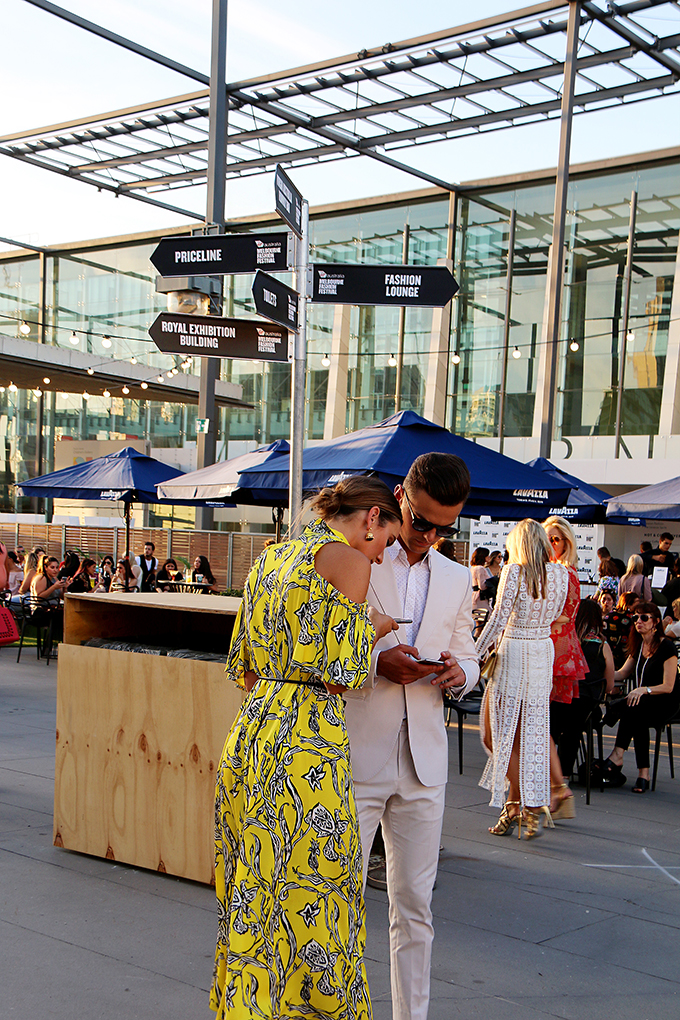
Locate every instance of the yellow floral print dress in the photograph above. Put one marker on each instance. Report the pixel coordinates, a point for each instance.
(288, 871)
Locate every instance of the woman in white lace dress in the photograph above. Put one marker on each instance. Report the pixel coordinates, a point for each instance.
(515, 712)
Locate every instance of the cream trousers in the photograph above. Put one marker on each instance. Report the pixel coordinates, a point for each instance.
(411, 817)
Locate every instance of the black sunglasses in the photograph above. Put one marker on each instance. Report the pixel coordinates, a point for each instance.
(420, 524)
(643, 617)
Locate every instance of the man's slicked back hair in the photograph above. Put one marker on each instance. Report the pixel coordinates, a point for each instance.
(443, 476)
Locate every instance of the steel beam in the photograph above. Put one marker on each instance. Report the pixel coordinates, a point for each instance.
(556, 264)
(217, 162)
(623, 346)
(506, 326)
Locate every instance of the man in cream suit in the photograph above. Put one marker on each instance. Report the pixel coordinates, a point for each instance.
(396, 726)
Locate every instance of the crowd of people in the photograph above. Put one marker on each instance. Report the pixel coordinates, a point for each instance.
(47, 578)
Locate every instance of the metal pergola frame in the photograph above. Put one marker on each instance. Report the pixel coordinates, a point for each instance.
(488, 75)
(552, 60)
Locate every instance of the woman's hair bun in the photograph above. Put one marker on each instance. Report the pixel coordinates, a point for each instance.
(358, 492)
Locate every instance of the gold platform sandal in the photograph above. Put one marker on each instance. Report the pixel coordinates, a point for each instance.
(506, 820)
(530, 819)
(563, 799)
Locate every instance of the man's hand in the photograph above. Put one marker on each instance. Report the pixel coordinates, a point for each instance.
(453, 676)
(398, 665)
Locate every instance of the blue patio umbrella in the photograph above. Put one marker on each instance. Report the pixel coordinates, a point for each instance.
(125, 476)
(585, 503)
(658, 502)
(501, 487)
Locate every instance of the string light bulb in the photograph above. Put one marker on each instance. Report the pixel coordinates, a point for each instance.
(144, 385)
(630, 336)
(37, 392)
(74, 338)
(516, 353)
(12, 388)
(86, 395)
(90, 370)
(107, 342)
(106, 393)
(133, 360)
(455, 358)
(326, 361)
(2, 389)
(126, 390)
(574, 345)
(24, 328)
(392, 361)
(168, 375)
(46, 380)
(160, 378)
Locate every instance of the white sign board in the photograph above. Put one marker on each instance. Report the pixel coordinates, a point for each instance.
(492, 535)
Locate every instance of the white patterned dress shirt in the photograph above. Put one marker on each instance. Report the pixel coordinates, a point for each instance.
(413, 584)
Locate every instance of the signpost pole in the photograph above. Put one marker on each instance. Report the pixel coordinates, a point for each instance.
(217, 164)
(299, 381)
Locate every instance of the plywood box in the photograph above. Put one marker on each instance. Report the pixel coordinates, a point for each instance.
(139, 740)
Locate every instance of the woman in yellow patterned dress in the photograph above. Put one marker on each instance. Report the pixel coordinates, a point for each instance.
(288, 854)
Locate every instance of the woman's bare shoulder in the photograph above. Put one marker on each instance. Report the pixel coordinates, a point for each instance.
(345, 568)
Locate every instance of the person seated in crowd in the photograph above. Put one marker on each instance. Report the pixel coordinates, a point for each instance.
(447, 547)
(568, 722)
(70, 565)
(30, 568)
(634, 579)
(652, 665)
(671, 624)
(661, 556)
(124, 578)
(85, 579)
(148, 565)
(607, 568)
(135, 568)
(606, 601)
(107, 569)
(617, 624)
(481, 604)
(494, 564)
(671, 590)
(168, 572)
(20, 554)
(203, 574)
(610, 584)
(46, 583)
(15, 573)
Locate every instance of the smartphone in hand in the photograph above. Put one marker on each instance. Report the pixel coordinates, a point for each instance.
(430, 662)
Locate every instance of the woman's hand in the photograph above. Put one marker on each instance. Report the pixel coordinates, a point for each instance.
(635, 695)
(382, 624)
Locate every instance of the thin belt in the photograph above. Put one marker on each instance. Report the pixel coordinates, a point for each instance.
(316, 685)
(527, 633)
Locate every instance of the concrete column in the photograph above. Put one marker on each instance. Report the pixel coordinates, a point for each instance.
(669, 418)
(336, 393)
(438, 362)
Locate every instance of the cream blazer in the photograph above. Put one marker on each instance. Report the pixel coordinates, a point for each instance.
(375, 713)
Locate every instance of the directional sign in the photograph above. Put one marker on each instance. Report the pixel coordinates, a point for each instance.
(220, 254)
(429, 286)
(288, 201)
(276, 301)
(210, 336)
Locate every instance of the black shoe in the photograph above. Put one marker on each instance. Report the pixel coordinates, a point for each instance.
(641, 785)
(612, 776)
(377, 872)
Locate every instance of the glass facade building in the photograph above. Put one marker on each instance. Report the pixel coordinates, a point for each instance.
(619, 322)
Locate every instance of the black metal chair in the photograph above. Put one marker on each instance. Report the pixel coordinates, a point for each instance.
(471, 704)
(668, 728)
(35, 613)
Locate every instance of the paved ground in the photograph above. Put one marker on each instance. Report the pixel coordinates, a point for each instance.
(582, 923)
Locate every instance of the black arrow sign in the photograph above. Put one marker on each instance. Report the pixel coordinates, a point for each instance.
(288, 201)
(428, 286)
(220, 254)
(276, 301)
(211, 336)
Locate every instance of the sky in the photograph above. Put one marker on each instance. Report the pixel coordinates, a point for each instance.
(53, 72)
